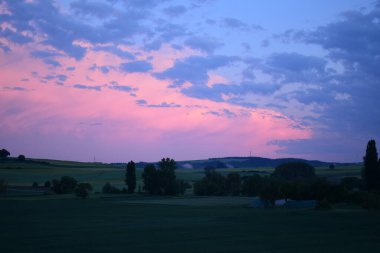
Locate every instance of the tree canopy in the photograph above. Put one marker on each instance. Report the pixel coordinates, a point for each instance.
(294, 171)
(130, 177)
(4, 153)
(371, 169)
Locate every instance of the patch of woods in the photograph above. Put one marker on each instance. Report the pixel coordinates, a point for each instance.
(289, 181)
(298, 181)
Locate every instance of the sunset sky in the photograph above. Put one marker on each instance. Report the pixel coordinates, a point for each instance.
(145, 79)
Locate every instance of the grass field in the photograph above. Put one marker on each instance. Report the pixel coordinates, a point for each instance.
(25, 173)
(138, 223)
(117, 224)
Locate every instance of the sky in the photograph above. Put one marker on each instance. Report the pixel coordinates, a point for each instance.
(114, 80)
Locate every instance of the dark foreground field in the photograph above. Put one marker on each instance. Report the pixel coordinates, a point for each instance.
(115, 225)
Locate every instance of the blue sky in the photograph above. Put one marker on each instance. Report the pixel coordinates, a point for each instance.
(143, 79)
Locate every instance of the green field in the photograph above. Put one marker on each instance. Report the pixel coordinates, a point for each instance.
(139, 223)
(39, 170)
(120, 224)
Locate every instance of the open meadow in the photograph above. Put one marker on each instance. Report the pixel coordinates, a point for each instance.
(141, 223)
(130, 223)
(97, 174)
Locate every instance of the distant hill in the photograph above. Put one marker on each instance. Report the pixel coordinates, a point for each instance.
(243, 162)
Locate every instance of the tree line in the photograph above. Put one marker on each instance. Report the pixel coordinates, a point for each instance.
(293, 180)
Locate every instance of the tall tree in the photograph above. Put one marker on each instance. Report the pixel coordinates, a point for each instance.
(4, 153)
(233, 183)
(151, 180)
(371, 170)
(167, 176)
(130, 177)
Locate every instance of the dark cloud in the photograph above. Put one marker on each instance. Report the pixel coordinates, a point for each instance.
(136, 66)
(87, 87)
(14, 36)
(116, 51)
(296, 62)
(345, 99)
(205, 44)
(194, 69)
(97, 9)
(222, 113)
(235, 23)
(5, 48)
(124, 88)
(216, 91)
(354, 40)
(104, 69)
(52, 62)
(265, 43)
(145, 4)
(60, 78)
(42, 54)
(164, 105)
(62, 29)
(47, 56)
(175, 11)
(142, 102)
(16, 88)
(70, 68)
(165, 33)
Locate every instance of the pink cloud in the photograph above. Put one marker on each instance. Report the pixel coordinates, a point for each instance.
(110, 122)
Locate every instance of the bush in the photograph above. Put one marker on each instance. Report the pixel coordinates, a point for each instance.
(233, 184)
(323, 204)
(47, 184)
(294, 171)
(213, 184)
(109, 189)
(64, 186)
(182, 186)
(350, 183)
(3, 186)
(367, 200)
(270, 192)
(21, 158)
(252, 185)
(82, 190)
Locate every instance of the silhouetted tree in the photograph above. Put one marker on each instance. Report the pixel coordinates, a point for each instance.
(350, 183)
(233, 182)
(47, 184)
(56, 186)
(3, 186)
(151, 180)
(213, 184)
(294, 171)
(82, 190)
(182, 186)
(21, 158)
(66, 185)
(270, 192)
(35, 184)
(130, 177)
(371, 170)
(252, 185)
(4, 153)
(167, 176)
(108, 188)
(332, 166)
